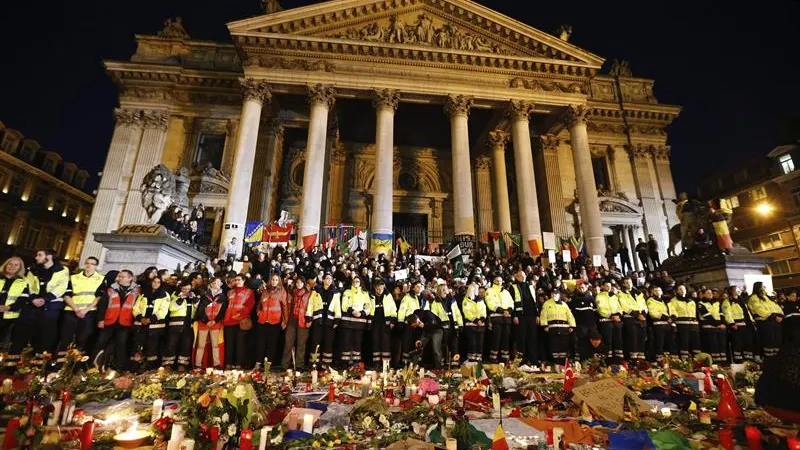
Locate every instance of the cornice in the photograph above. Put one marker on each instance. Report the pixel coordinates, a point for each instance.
(41, 174)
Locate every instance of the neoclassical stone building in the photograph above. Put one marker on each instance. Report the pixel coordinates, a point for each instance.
(428, 118)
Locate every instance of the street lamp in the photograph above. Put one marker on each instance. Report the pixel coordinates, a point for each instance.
(764, 209)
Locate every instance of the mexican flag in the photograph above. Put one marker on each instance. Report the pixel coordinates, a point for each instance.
(455, 258)
(497, 243)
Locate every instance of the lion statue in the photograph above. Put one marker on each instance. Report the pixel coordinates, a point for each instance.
(158, 192)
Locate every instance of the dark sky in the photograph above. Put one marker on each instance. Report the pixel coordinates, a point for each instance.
(733, 66)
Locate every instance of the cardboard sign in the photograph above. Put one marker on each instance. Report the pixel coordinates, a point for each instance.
(400, 274)
(548, 240)
(566, 255)
(141, 229)
(606, 397)
(597, 260)
(551, 255)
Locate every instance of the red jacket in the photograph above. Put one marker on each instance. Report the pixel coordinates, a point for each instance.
(272, 306)
(298, 303)
(240, 303)
(118, 309)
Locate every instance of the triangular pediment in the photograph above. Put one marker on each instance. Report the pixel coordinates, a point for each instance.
(452, 25)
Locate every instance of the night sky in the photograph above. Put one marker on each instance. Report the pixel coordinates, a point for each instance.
(733, 66)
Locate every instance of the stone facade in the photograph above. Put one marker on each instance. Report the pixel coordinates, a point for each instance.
(533, 126)
(43, 202)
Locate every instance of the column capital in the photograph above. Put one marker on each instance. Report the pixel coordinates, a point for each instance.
(482, 162)
(638, 151)
(321, 94)
(662, 153)
(519, 109)
(125, 116)
(498, 138)
(549, 142)
(575, 114)
(257, 90)
(385, 98)
(155, 118)
(458, 105)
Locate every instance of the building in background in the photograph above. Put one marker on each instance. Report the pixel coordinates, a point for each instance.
(431, 119)
(764, 194)
(43, 202)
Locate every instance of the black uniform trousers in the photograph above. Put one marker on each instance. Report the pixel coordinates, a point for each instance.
(235, 346)
(268, 336)
(612, 339)
(147, 340)
(526, 337)
(381, 342)
(6, 331)
(769, 336)
(688, 337)
(632, 331)
(713, 340)
(501, 330)
(323, 335)
(558, 340)
(180, 342)
(76, 330)
(397, 336)
(37, 327)
(475, 335)
(113, 342)
(741, 340)
(352, 335)
(662, 332)
(450, 344)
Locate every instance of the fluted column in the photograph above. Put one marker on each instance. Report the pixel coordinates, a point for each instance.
(555, 193)
(498, 140)
(457, 107)
(386, 102)
(483, 192)
(529, 223)
(256, 92)
(321, 99)
(265, 169)
(105, 214)
(591, 223)
(149, 155)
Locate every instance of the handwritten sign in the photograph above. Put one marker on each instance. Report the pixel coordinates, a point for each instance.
(141, 229)
(549, 240)
(566, 255)
(597, 260)
(400, 274)
(606, 397)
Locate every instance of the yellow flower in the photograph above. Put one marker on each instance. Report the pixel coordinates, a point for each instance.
(316, 444)
(181, 383)
(337, 442)
(330, 444)
(456, 357)
(204, 400)
(23, 421)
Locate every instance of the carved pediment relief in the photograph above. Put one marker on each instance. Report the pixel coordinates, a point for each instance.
(462, 25)
(619, 205)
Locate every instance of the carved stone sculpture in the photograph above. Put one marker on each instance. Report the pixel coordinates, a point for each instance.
(158, 192)
(174, 29)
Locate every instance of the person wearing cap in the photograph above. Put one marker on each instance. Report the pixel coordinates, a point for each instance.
(474, 310)
(500, 306)
(78, 323)
(409, 305)
(384, 319)
(324, 313)
(559, 323)
(356, 308)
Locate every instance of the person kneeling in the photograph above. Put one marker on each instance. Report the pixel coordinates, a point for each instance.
(432, 333)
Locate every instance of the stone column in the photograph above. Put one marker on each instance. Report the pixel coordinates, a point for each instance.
(265, 167)
(386, 102)
(555, 193)
(483, 192)
(498, 139)
(655, 221)
(626, 241)
(665, 182)
(256, 92)
(216, 231)
(15, 235)
(457, 107)
(529, 223)
(632, 237)
(150, 149)
(591, 223)
(321, 98)
(106, 214)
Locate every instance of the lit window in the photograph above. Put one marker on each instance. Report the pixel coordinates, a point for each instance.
(766, 242)
(787, 165)
(734, 201)
(758, 193)
(780, 267)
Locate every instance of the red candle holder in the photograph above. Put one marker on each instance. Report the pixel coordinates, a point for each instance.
(87, 435)
(726, 439)
(793, 443)
(246, 439)
(753, 435)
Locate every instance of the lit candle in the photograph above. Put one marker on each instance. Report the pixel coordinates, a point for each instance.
(10, 438)
(421, 373)
(8, 386)
(373, 375)
(209, 371)
(314, 377)
(753, 437)
(53, 420)
(750, 390)
(289, 373)
(176, 437)
(262, 442)
(308, 423)
(793, 443)
(187, 444)
(158, 408)
(246, 439)
(704, 416)
(451, 444)
(69, 411)
(666, 412)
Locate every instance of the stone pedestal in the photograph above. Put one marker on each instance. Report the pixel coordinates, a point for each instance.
(713, 269)
(151, 247)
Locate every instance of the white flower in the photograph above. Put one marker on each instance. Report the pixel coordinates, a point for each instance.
(225, 417)
(231, 430)
(384, 421)
(240, 391)
(367, 422)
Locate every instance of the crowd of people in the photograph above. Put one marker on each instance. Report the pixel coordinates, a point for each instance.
(282, 306)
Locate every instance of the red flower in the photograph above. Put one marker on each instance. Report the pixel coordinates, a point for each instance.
(30, 431)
